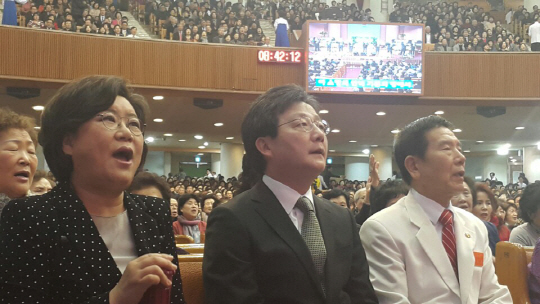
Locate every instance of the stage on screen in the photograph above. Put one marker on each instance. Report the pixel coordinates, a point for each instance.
(365, 58)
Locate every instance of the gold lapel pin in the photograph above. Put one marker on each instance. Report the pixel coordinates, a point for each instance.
(467, 235)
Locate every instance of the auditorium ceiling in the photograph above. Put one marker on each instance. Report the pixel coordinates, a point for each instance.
(355, 122)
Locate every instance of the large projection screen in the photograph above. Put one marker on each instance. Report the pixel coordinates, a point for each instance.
(364, 58)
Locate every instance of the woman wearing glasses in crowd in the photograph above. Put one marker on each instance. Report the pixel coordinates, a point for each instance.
(87, 240)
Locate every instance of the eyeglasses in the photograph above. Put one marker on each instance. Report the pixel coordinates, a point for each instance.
(306, 124)
(112, 122)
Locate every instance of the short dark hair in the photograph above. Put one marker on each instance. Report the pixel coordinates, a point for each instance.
(182, 200)
(530, 201)
(143, 180)
(261, 121)
(11, 120)
(72, 106)
(412, 141)
(335, 193)
(387, 191)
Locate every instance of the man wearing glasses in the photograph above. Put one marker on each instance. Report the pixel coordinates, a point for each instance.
(276, 242)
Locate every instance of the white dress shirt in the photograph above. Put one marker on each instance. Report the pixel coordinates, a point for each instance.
(534, 32)
(288, 197)
(433, 210)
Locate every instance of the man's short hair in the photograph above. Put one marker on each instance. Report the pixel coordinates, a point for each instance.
(411, 141)
(261, 121)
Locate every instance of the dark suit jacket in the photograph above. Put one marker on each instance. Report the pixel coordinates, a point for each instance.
(51, 251)
(254, 254)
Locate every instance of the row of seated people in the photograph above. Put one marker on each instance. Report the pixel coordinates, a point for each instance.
(94, 19)
(462, 28)
(448, 26)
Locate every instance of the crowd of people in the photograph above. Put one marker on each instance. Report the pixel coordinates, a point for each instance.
(111, 225)
(449, 26)
(465, 28)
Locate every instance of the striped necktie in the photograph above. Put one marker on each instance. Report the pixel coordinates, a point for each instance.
(449, 239)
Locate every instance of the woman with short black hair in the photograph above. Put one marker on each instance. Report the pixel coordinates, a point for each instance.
(88, 240)
(189, 223)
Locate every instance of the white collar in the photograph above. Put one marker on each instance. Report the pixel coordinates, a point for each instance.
(285, 194)
(432, 209)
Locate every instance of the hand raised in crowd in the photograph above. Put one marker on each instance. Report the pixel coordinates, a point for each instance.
(140, 274)
(373, 172)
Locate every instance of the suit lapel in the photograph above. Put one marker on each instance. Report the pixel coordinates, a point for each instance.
(431, 243)
(145, 230)
(78, 231)
(465, 240)
(270, 209)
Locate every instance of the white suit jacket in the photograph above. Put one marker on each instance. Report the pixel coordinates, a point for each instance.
(408, 263)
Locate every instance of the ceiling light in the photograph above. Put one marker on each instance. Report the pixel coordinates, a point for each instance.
(202, 147)
(167, 134)
(520, 128)
(158, 120)
(479, 141)
(37, 128)
(381, 113)
(335, 131)
(205, 143)
(466, 151)
(365, 151)
(181, 140)
(374, 146)
(439, 112)
(352, 141)
(457, 130)
(511, 157)
(396, 131)
(514, 160)
(218, 124)
(331, 150)
(502, 151)
(201, 154)
(198, 137)
(149, 139)
(38, 108)
(157, 98)
(323, 112)
(506, 146)
(230, 137)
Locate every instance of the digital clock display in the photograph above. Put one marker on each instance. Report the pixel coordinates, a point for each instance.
(279, 56)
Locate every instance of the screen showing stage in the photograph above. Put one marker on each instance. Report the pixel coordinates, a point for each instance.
(367, 58)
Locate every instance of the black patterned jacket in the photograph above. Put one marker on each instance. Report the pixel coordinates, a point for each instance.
(51, 250)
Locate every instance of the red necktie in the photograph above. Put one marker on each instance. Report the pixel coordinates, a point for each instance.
(448, 238)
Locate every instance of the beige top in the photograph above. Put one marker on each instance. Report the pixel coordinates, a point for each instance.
(116, 233)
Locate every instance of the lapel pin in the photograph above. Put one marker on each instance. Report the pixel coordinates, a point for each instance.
(467, 235)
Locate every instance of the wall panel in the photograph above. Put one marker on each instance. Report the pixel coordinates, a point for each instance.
(52, 56)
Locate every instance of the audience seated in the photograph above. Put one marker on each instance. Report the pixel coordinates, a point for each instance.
(449, 26)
